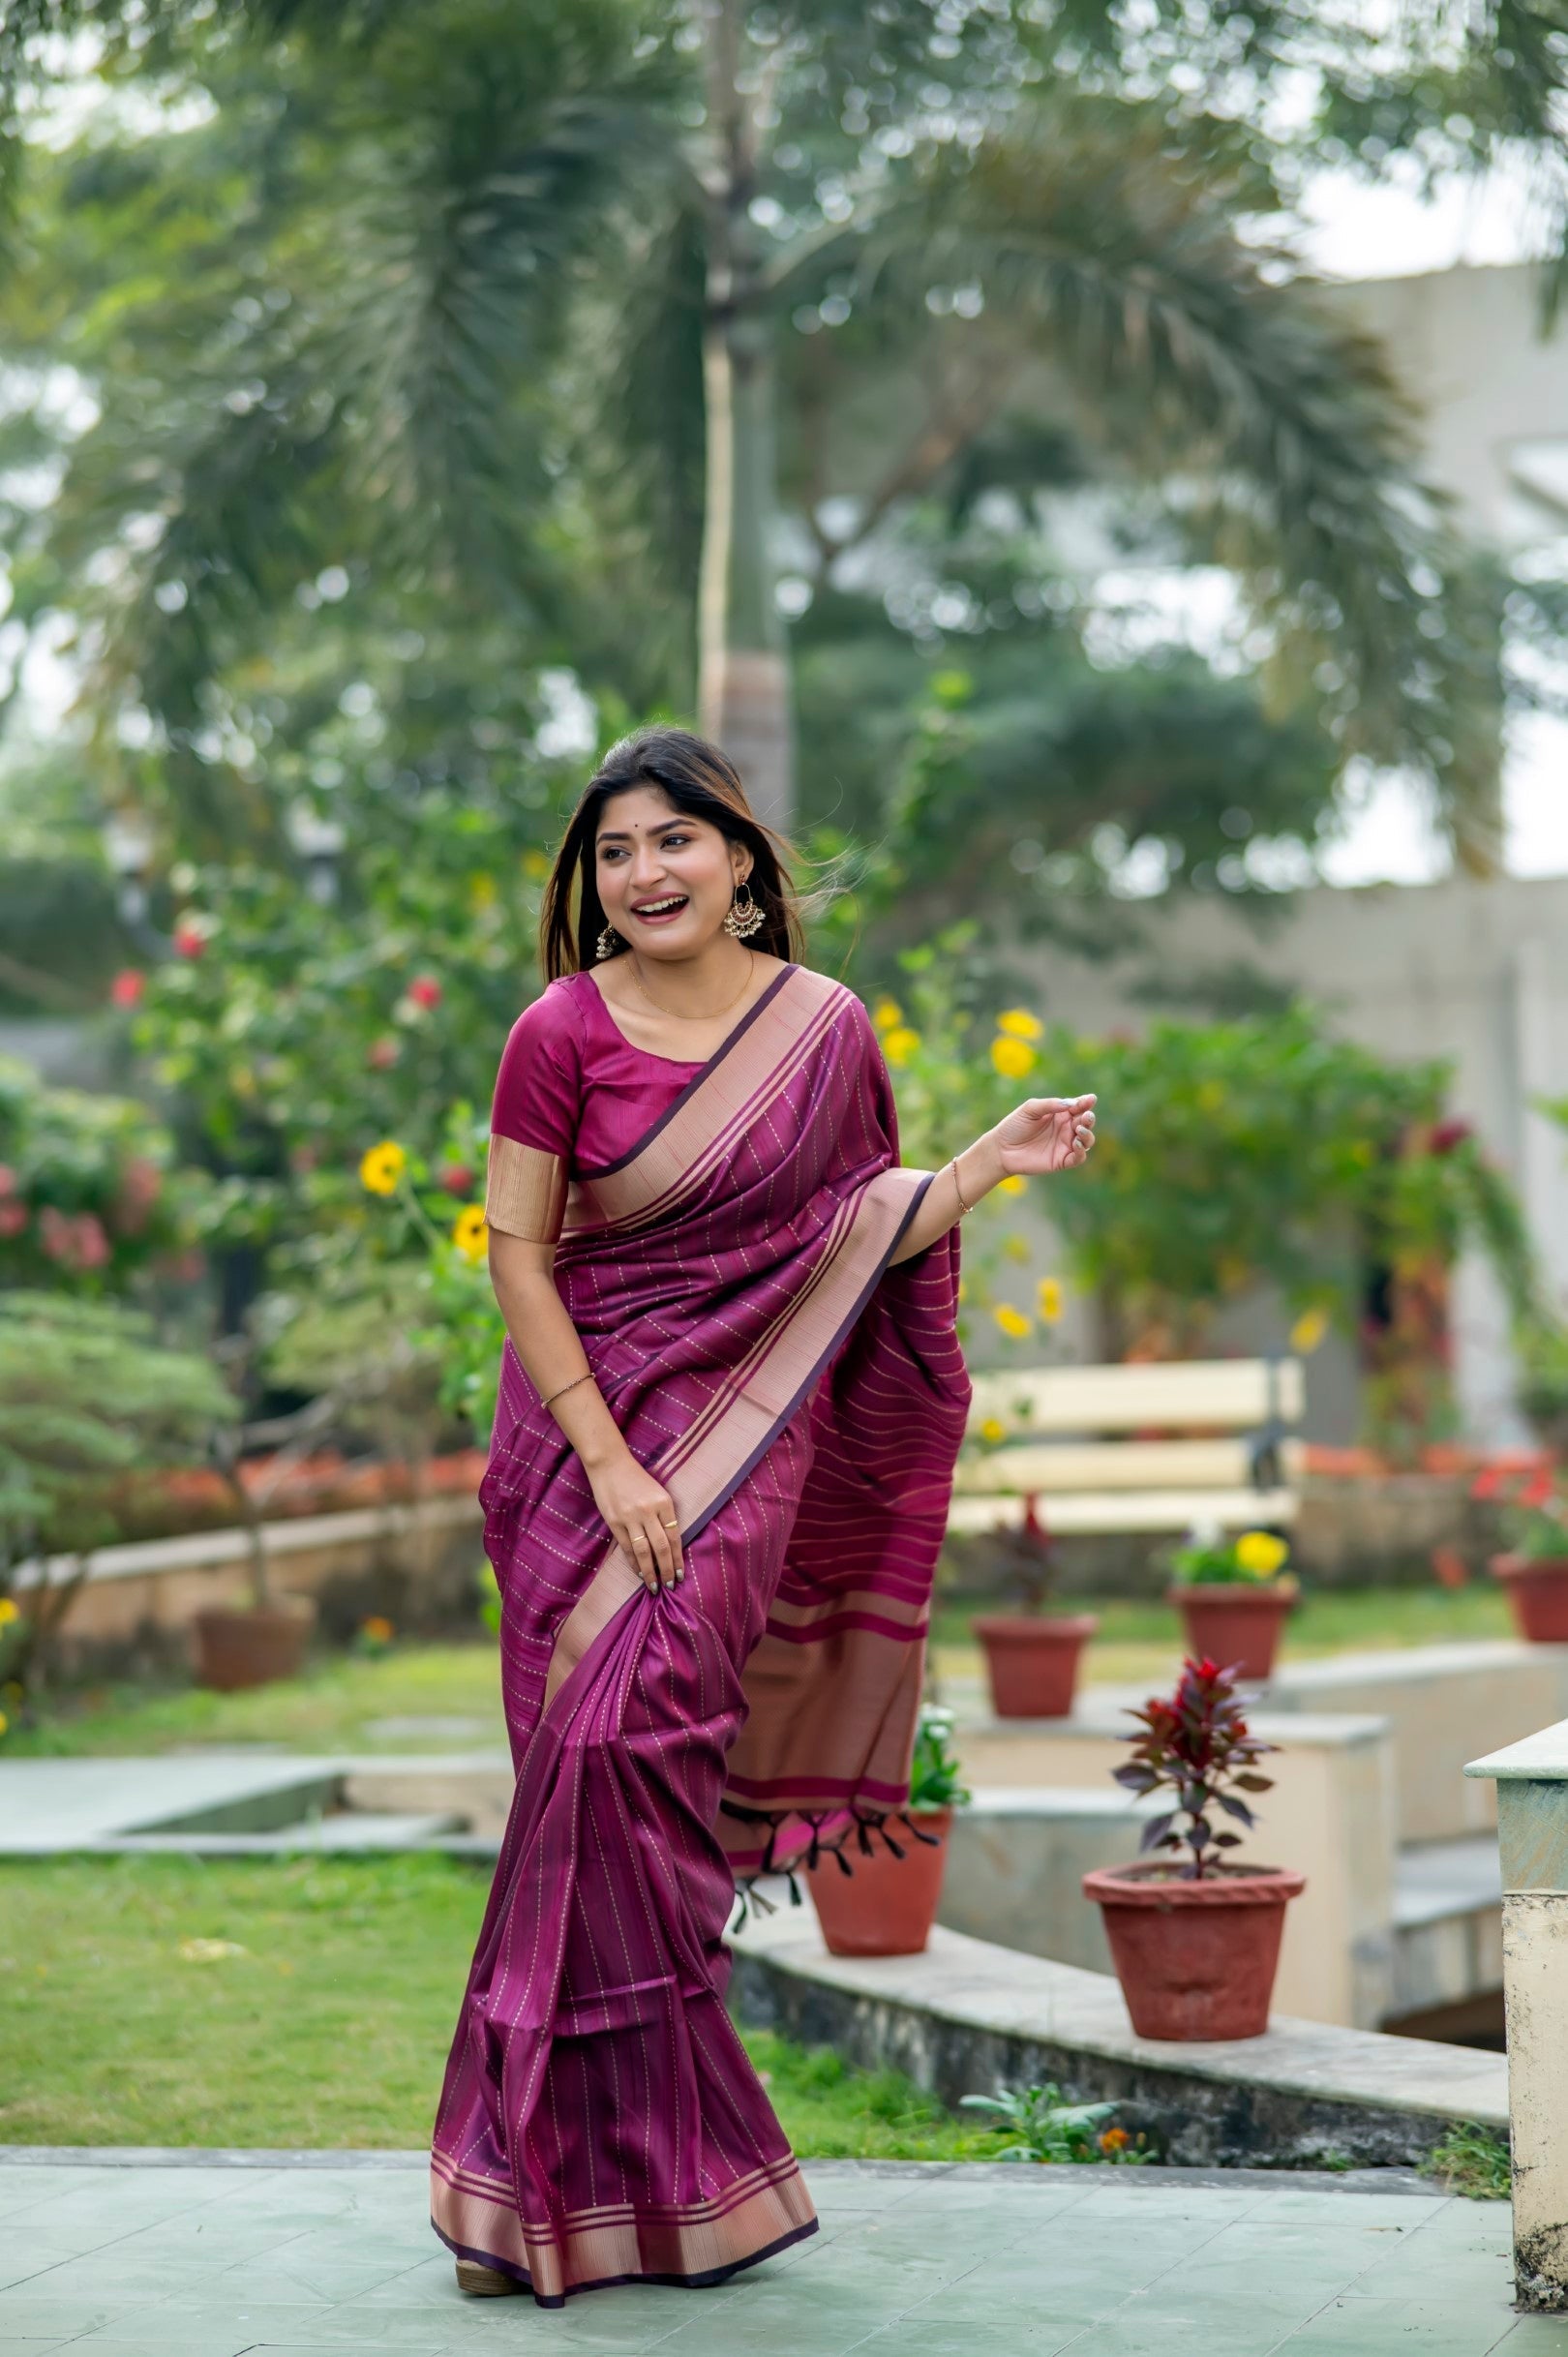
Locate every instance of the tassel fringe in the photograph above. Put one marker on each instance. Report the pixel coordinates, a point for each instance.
(867, 1825)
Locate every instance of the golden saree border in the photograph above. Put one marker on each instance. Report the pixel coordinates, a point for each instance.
(524, 1190)
(690, 2243)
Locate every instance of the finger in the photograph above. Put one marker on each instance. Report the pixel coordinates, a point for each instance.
(670, 1518)
(658, 1538)
(641, 1550)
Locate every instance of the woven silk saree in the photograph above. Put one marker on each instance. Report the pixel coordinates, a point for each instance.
(803, 1403)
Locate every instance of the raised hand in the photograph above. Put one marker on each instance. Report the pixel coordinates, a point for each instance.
(1047, 1133)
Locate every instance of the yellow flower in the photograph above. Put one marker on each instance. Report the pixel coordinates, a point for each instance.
(1013, 1321)
(1211, 1096)
(535, 865)
(887, 1015)
(483, 890)
(8, 1611)
(899, 1045)
(1048, 1300)
(1021, 1024)
(1017, 1248)
(470, 1234)
(382, 1166)
(1259, 1553)
(1012, 1057)
(993, 1430)
(4, 1722)
(1012, 1185)
(1309, 1331)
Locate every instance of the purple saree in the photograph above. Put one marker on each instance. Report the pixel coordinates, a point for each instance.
(802, 1402)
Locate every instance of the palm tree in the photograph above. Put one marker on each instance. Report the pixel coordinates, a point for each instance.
(421, 216)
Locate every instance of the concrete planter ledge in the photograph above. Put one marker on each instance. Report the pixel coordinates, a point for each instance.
(210, 1549)
(968, 2014)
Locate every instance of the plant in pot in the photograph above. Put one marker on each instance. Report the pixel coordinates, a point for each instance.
(1534, 1568)
(263, 1639)
(1234, 1596)
(1194, 1940)
(877, 1894)
(1032, 1657)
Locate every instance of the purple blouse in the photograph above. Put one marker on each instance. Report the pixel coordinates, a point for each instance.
(572, 1085)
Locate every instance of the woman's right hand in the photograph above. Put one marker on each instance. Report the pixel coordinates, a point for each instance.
(640, 1514)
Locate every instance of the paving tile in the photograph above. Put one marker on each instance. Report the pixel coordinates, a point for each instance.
(1536, 2337)
(1359, 2327)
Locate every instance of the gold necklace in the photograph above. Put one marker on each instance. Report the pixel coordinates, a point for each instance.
(674, 1012)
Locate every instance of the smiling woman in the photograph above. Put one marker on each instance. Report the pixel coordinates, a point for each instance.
(730, 1404)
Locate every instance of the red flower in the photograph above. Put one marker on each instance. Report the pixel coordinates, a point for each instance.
(127, 988)
(456, 1178)
(1537, 1491)
(12, 1219)
(383, 1054)
(8, 1180)
(425, 990)
(189, 940)
(1448, 1134)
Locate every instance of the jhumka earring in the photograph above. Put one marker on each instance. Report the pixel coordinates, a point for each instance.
(743, 917)
(608, 943)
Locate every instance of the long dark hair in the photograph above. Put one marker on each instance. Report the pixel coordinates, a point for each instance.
(699, 783)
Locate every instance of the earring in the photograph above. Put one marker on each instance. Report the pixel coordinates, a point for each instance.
(608, 943)
(743, 917)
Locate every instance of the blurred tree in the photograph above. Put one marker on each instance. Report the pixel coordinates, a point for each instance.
(504, 312)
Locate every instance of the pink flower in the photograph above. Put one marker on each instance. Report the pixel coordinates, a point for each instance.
(383, 1054)
(91, 1239)
(8, 1181)
(12, 1219)
(127, 988)
(55, 1234)
(189, 940)
(456, 1178)
(1448, 1134)
(425, 990)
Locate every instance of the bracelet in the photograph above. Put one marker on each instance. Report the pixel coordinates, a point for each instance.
(586, 1377)
(957, 1187)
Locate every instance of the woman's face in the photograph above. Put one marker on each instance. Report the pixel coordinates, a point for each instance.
(666, 880)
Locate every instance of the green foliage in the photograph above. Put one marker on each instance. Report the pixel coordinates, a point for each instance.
(1044, 2128)
(1472, 2161)
(87, 1200)
(1253, 1558)
(936, 1779)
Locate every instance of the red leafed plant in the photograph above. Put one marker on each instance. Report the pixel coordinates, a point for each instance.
(1198, 1745)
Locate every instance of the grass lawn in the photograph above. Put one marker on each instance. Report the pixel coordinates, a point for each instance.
(340, 1703)
(122, 2023)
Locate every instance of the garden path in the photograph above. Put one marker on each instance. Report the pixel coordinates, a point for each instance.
(169, 2255)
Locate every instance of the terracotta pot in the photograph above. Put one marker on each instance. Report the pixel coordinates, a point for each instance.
(885, 1906)
(1238, 1627)
(1195, 1959)
(1033, 1662)
(236, 1648)
(1537, 1591)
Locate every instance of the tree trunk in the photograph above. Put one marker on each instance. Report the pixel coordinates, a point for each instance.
(744, 671)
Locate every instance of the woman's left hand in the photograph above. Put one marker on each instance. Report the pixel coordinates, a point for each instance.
(1047, 1133)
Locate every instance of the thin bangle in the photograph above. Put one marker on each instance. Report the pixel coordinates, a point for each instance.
(587, 1377)
(957, 1187)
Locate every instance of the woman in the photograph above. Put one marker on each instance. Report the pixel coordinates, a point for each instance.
(730, 1404)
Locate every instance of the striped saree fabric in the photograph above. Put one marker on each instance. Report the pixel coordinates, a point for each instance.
(802, 1400)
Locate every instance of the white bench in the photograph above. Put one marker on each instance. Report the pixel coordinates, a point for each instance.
(1159, 1447)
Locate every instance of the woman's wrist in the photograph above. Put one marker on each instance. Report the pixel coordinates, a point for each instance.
(978, 1169)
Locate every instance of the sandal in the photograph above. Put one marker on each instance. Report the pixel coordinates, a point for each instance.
(484, 2282)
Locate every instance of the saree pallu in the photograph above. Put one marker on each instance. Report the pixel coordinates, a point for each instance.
(803, 1403)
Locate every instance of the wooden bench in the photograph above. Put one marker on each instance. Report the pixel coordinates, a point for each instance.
(1108, 1449)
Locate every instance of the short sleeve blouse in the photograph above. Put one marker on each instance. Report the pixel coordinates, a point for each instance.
(573, 1095)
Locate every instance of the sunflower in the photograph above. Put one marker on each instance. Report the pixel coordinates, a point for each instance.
(1048, 1300)
(1013, 1058)
(1020, 1024)
(899, 1045)
(1013, 1321)
(382, 1167)
(470, 1234)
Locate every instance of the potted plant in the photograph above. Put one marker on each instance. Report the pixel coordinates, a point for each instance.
(1234, 1596)
(1534, 1569)
(1032, 1657)
(876, 1895)
(1195, 1941)
(252, 1643)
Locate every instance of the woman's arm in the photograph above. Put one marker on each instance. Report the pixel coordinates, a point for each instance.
(637, 1509)
(1047, 1133)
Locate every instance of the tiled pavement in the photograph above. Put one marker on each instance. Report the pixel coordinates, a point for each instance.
(203, 2260)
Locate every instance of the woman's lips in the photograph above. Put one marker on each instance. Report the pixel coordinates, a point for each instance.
(662, 916)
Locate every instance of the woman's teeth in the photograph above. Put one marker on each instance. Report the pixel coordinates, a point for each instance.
(661, 908)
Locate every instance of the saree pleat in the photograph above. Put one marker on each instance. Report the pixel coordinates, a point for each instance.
(600, 2120)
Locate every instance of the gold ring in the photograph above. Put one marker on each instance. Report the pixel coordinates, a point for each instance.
(669, 1526)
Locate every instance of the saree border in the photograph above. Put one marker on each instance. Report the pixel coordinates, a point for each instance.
(698, 2243)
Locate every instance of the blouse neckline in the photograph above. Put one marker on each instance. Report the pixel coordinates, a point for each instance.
(682, 1064)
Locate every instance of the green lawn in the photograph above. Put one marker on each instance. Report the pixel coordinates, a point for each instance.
(337, 1704)
(121, 2023)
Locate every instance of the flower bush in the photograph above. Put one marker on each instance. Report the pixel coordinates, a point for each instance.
(1255, 1558)
(88, 1202)
(1535, 1517)
(1198, 1745)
